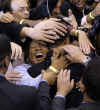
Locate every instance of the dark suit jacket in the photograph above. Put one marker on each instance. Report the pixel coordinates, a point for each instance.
(13, 30)
(59, 104)
(13, 97)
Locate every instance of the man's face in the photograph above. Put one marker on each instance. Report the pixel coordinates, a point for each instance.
(37, 52)
(21, 8)
(79, 3)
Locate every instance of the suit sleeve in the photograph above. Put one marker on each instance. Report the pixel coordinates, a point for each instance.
(45, 100)
(59, 104)
(12, 30)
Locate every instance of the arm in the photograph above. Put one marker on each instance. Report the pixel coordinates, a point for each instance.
(58, 103)
(64, 86)
(43, 92)
(13, 30)
(91, 16)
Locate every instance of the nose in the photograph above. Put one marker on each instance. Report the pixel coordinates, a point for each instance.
(26, 12)
(38, 49)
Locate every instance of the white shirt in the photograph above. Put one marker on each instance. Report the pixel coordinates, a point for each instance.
(26, 79)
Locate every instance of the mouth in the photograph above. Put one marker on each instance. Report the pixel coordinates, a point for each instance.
(39, 55)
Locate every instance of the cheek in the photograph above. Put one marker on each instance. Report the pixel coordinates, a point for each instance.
(45, 50)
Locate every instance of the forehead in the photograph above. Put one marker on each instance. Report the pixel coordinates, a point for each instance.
(37, 43)
(19, 3)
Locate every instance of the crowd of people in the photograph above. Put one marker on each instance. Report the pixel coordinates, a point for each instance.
(49, 55)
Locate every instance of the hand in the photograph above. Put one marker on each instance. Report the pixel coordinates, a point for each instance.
(6, 18)
(71, 19)
(16, 51)
(64, 85)
(84, 20)
(58, 60)
(12, 76)
(54, 25)
(96, 11)
(84, 43)
(74, 53)
(49, 76)
(40, 34)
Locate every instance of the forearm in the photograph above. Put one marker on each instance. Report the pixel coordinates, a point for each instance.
(94, 13)
(43, 91)
(13, 30)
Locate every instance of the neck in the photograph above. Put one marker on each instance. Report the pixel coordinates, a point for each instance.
(86, 98)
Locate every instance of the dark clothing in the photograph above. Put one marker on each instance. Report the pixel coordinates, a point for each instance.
(14, 97)
(11, 29)
(59, 104)
(41, 11)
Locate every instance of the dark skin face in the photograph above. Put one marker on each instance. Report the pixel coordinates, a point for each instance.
(37, 52)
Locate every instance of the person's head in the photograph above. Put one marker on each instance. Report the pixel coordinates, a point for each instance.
(80, 4)
(19, 7)
(61, 8)
(5, 52)
(37, 51)
(90, 83)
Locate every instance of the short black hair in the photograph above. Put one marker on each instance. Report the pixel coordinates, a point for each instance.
(91, 79)
(5, 5)
(5, 47)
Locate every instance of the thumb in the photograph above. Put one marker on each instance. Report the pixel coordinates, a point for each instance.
(70, 12)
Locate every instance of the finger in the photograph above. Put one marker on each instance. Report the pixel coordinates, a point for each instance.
(7, 18)
(52, 33)
(70, 12)
(68, 75)
(61, 29)
(65, 74)
(88, 49)
(20, 52)
(61, 75)
(11, 75)
(48, 40)
(92, 46)
(61, 25)
(13, 53)
(14, 79)
(59, 32)
(51, 37)
(72, 83)
(54, 19)
(16, 53)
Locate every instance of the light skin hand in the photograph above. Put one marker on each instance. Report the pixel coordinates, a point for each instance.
(49, 76)
(13, 76)
(54, 25)
(6, 18)
(64, 85)
(16, 51)
(84, 42)
(74, 53)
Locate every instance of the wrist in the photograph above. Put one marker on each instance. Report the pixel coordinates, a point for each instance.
(82, 59)
(61, 93)
(24, 31)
